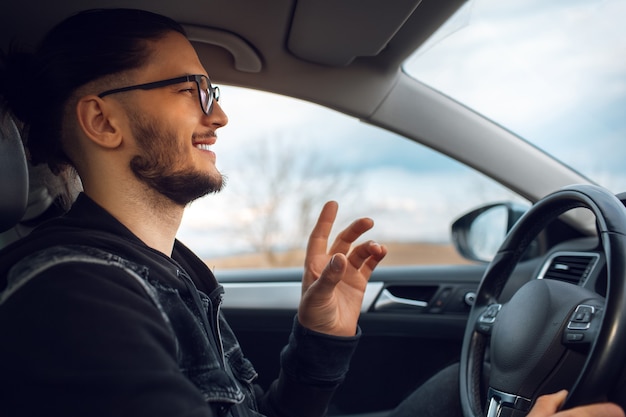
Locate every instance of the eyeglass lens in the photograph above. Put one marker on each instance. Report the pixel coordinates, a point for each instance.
(208, 93)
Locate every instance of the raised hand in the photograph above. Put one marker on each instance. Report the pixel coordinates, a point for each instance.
(335, 279)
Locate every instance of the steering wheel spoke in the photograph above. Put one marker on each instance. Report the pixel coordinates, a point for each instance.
(501, 404)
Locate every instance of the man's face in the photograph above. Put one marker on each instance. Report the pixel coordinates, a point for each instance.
(172, 133)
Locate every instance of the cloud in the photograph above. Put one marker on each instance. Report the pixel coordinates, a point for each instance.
(522, 61)
(553, 72)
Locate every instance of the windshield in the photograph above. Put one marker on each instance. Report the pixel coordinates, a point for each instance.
(553, 72)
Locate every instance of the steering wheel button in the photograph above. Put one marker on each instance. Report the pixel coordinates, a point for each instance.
(575, 337)
(489, 316)
(574, 325)
(582, 315)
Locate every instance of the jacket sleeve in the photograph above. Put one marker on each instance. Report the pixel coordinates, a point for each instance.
(313, 365)
(85, 340)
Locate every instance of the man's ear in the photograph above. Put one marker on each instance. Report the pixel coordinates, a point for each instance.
(98, 121)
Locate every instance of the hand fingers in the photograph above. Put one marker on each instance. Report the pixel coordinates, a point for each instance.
(349, 235)
(547, 405)
(592, 410)
(372, 262)
(367, 254)
(595, 410)
(334, 270)
(318, 240)
(331, 275)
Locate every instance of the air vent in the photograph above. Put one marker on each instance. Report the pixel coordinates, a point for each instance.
(569, 267)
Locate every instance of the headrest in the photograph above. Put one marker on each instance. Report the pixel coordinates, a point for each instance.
(13, 174)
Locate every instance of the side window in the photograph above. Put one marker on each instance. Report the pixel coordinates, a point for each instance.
(283, 158)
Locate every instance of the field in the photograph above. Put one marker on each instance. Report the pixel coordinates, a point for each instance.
(399, 254)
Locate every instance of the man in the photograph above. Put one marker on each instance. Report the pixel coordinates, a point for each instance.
(103, 312)
(106, 312)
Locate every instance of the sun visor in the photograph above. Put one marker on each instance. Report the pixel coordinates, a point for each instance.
(330, 32)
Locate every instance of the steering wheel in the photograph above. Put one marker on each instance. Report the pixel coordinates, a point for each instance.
(550, 335)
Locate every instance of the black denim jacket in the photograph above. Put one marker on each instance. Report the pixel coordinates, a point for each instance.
(97, 323)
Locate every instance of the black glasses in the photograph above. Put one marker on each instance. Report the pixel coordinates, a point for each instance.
(206, 92)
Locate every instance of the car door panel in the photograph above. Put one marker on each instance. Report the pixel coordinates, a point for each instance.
(412, 323)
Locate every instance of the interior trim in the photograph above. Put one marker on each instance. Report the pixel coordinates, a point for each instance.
(246, 58)
(279, 295)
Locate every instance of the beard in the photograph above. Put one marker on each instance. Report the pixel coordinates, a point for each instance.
(160, 154)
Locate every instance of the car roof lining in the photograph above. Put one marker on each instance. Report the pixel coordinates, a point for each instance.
(272, 46)
(303, 30)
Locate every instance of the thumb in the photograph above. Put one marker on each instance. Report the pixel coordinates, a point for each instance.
(547, 405)
(332, 273)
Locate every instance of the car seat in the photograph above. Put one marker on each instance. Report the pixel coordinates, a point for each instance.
(13, 174)
(29, 195)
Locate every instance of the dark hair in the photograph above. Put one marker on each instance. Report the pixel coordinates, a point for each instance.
(83, 48)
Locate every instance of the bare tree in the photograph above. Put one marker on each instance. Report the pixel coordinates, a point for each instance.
(283, 187)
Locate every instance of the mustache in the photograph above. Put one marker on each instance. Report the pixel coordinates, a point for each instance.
(205, 135)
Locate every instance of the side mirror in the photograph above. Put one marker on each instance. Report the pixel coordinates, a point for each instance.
(478, 234)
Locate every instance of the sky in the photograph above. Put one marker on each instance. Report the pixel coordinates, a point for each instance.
(552, 71)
